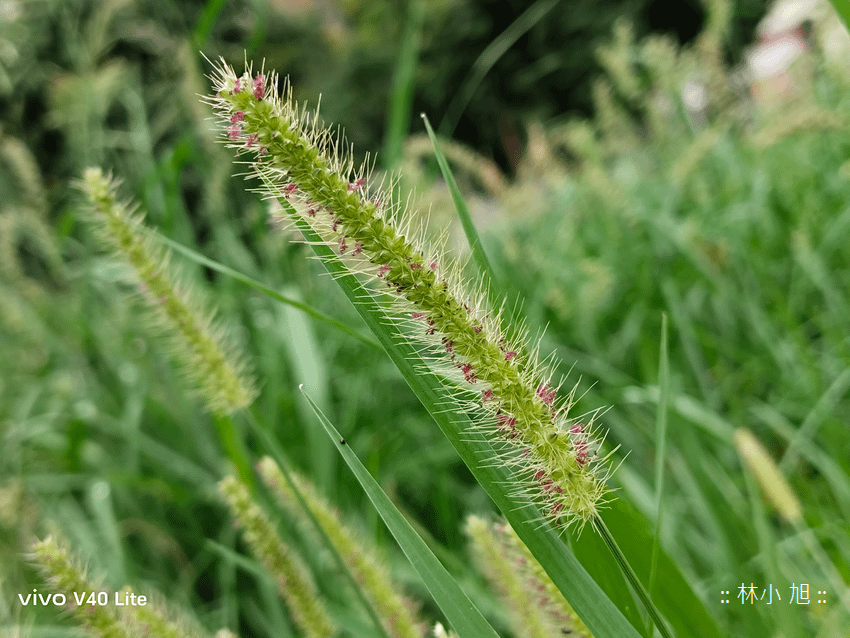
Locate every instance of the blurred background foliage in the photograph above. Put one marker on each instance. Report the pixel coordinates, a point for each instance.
(620, 168)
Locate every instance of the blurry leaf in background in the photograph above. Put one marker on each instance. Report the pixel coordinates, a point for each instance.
(694, 217)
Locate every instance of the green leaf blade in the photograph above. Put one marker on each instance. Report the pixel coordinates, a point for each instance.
(594, 607)
(465, 618)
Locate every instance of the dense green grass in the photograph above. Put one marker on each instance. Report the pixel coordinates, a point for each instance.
(737, 227)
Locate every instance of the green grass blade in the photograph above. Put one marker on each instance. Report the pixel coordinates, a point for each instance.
(234, 446)
(465, 618)
(767, 545)
(274, 451)
(261, 23)
(100, 503)
(594, 555)
(489, 57)
(632, 577)
(264, 579)
(661, 445)
(261, 287)
(398, 121)
(472, 237)
(672, 595)
(585, 596)
(835, 476)
(207, 21)
(825, 406)
(307, 366)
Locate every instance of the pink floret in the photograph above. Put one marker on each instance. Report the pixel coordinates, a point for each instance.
(546, 394)
(259, 86)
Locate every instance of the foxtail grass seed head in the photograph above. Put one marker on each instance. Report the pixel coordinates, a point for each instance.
(497, 378)
(761, 466)
(396, 611)
(157, 618)
(219, 376)
(65, 577)
(526, 618)
(150, 617)
(16, 510)
(293, 580)
(617, 58)
(536, 605)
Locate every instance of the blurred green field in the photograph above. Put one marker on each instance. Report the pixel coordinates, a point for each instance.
(733, 221)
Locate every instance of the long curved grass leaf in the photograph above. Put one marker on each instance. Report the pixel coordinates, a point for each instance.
(661, 442)
(672, 594)
(277, 455)
(261, 287)
(465, 618)
(596, 610)
(207, 21)
(464, 215)
(404, 78)
(490, 56)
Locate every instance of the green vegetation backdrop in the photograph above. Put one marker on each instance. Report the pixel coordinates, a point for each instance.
(731, 220)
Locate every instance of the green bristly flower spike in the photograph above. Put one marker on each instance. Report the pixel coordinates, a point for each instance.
(537, 608)
(395, 610)
(213, 369)
(293, 580)
(495, 376)
(66, 577)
